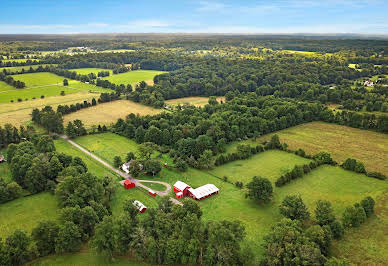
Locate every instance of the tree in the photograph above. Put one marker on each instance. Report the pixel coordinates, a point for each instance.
(213, 100)
(152, 166)
(45, 144)
(181, 165)
(368, 204)
(337, 229)
(321, 236)
(17, 247)
(324, 212)
(69, 238)
(65, 82)
(104, 239)
(109, 186)
(130, 156)
(146, 150)
(44, 236)
(117, 162)
(293, 208)
(287, 244)
(260, 189)
(55, 167)
(353, 216)
(206, 160)
(70, 130)
(135, 168)
(323, 158)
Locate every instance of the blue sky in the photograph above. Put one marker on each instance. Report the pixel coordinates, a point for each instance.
(189, 16)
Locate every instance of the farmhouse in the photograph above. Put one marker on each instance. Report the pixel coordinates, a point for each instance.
(140, 206)
(182, 189)
(368, 83)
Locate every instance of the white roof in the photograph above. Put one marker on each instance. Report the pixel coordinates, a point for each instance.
(139, 205)
(179, 193)
(153, 192)
(181, 185)
(203, 191)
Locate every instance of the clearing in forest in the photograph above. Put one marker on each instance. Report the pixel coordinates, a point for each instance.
(86, 71)
(197, 101)
(107, 113)
(133, 77)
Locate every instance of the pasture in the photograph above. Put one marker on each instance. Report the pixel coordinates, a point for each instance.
(25, 213)
(18, 113)
(4, 87)
(341, 142)
(270, 164)
(20, 68)
(39, 79)
(86, 71)
(133, 77)
(197, 101)
(107, 113)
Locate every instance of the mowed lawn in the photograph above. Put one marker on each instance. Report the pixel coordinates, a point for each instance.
(269, 164)
(132, 77)
(4, 87)
(18, 113)
(86, 71)
(25, 213)
(108, 145)
(197, 101)
(341, 142)
(107, 113)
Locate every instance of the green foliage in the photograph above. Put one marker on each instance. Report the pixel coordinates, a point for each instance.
(260, 189)
(152, 166)
(324, 212)
(44, 236)
(206, 161)
(146, 150)
(69, 238)
(181, 165)
(368, 204)
(117, 162)
(104, 238)
(17, 247)
(294, 208)
(323, 158)
(135, 168)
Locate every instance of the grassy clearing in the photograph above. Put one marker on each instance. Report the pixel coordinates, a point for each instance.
(5, 172)
(197, 101)
(108, 113)
(269, 164)
(86, 71)
(18, 113)
(25, 213)
(39, 79)
(342, 142)
(133, 77)
(5, 87)
(101, 145)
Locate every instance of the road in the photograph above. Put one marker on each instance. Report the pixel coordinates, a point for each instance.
(121, 173)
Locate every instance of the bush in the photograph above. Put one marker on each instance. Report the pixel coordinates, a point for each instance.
(20, 100)
(337, 229)
(294, 208)
(260, 189)
(42, 96)
(376, 175)
(368, 204)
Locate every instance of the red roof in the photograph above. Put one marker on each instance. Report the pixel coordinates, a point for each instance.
(127, 182)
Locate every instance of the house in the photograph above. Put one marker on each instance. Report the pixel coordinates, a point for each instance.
(203, 191)
(128, 184)
(2, 159)
(180, 186)
(152, 193)
(140, 206)
(368, 83)
(181, 189)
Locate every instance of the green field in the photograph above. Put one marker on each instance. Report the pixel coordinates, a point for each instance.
(4, 87)
(25, 213)
(270, 164)
(101, 145)
(132, 77)
(86, 71)
(18, 60)
(20, 68)
(5, 173)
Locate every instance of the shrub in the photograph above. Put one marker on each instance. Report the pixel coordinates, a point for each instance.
(260, 189)
(42, 96)
(20, 100)
(337, 229)
(377, 175)
(294, 208)
(368, 204)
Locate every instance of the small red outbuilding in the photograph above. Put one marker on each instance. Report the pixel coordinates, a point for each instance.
(128, 184)
(152, 193)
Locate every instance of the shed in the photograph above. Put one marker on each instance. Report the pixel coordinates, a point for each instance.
(179, 195)
(140, 206)
(128, 184)
(152, 193)
(180, 186)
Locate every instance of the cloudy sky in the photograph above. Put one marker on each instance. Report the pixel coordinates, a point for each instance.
(189, 16)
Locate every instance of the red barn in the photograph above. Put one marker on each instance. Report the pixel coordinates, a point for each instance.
(180, 186)
(179, 195)
(128, 184)
(152, 193)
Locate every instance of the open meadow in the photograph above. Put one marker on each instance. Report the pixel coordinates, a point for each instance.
(197, 101)
(107, 113)
(341, 142)
(133, 77)
(86, 71)
(18, 113)
(20, 68)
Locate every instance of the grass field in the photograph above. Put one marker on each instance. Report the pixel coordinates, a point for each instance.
(39, 79)
(269, 164)
(18, 113)
(19, 68)
(197, 101)
(4, 87)
(107, 113)
(18, 60)
(25, 213)
(133, 77)
(342, 142)
(86, 71)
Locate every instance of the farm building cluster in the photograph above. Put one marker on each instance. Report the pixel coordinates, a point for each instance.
(181, 189)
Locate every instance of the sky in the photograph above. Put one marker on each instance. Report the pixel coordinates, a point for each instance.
(190, 16)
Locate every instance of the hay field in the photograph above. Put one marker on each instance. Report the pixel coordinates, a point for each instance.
(197, 101)
(107, 113)
(133, 77)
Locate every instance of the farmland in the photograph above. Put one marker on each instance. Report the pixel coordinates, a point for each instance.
(197, 101)
(86, 71)
(108, 113)
(20, 68)
(133, 77)
(341, 141)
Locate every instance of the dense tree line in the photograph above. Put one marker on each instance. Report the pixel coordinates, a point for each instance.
(11, 134)
(75, 129)
(10, 81)
(67, 109)
(49, 119)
